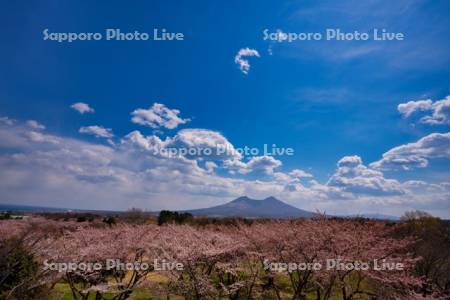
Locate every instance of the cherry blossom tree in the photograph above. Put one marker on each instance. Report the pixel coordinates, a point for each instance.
(271, 259)
(312, 244)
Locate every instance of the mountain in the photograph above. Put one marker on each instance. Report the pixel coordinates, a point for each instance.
(250, 208)
(41, 209)
(241, 207)
(29, 209)
(375, 216)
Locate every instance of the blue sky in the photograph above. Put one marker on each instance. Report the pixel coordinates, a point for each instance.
(328, 100)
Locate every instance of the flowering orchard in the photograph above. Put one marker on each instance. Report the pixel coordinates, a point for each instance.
(299, 259)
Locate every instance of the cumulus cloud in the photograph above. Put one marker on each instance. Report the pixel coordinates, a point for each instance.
(157, 116)
(353, 176)
(192, 144)
(47, 169)
(210, 166)
(423, 186)
(35, 125)
(7, 121)
(98, 131)
(242, 62)
(82, 108)
(437, 112)
(300, 174)
(415, 155)
(410, 107)
(42, 167)
(137, 140)
(39, 137)
(205, 144)
(263, 165)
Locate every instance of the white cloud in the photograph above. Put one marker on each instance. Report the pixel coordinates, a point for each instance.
(441, 113)
(423, 186)
(438, 112)
(300, 174)
(158, 116)
(39, 137)
(410, 107)
(45, 169)
(417, 154)
(204, 143)
(234, 164)
(97, 131)
(35, 125)
(151, 143)
(210, 166)
(264, 164)
(353, 176)
(82, 108)
(7, 121)
(191, 144)
(243, 63)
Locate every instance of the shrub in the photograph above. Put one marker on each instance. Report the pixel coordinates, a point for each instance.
(109, 220)
(432, 246)
(136, 216)
(18, 271)
(166, 216)
(5, 216)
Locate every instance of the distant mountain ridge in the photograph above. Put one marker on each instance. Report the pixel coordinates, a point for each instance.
(241, 207)
(250, 208)
(375, 216)
(47, 209)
